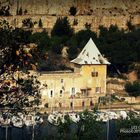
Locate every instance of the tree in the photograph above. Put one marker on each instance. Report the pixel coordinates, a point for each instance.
(78, 41)
(18, 89)
(133, 89)
(62, 28)
(42, 40)
(28, 23)
(40, 24)
(130, 26)
(4, 11)
(18, 92)
(89, 128)
(128, 129)
(56, 44)
(20, 11)
(87, 26)
(73, 11)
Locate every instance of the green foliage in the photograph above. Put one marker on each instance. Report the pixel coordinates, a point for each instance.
(78, 41)
(130, 26)
(73, 11)
(4, 11)
(62, 28)
(28, 23)
(89, 128)
(120, 47)
(42, 40)
(56, 44)
(133, 89)
(40, 24)
(64, 127)
(87, 26)
(128, 124)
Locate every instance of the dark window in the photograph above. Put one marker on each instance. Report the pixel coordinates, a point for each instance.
(83, 104)
(60, 105)
(71, 104)
(91, 103)
(51, 93)
(61, 93)
(94, 74)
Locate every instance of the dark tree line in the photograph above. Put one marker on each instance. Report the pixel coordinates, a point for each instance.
(120, 47)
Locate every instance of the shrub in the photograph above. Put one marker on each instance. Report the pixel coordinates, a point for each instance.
(73, 11)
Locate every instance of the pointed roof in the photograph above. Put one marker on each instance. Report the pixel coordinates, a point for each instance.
(90, 55)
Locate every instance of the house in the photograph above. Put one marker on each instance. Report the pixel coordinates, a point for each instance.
(67, 90)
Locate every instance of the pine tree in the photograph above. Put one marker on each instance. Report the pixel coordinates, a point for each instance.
(40, 24)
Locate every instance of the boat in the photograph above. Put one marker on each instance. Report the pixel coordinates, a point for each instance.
(112, 115)
(53, 119)
(29, 120)
(38, 120)
(17, 121)
(123, 114)
(74, 117)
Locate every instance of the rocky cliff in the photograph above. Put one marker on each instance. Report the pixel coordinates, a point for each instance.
(91, 12)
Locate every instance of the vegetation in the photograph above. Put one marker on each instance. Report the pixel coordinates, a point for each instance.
(62, 28)
(73, 11)
(28, 23)
(128, 129)
(15, 59)
(121, 47)
(40, 24)
(4, 11)
(90, 129)
(133, 89)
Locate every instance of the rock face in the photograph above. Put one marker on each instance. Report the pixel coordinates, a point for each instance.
(61, 7)
(91, 12)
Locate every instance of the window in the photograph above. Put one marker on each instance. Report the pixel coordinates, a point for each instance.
(60, 105)
(83, 103)
(98, 89)
(73, 91)
(71, 104)
(91, 103)
(94, 74)
(61, 93)
(62, 80)
(51, 93)
(84, 92)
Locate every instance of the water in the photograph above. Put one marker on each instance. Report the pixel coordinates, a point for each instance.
(41, 132)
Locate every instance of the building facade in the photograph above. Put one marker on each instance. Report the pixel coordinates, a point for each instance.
(78, 90)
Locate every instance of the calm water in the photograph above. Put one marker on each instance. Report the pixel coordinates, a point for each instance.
(46, 131)
(41, 132)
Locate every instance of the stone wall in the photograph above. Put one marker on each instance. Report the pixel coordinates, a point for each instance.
(95, 22)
